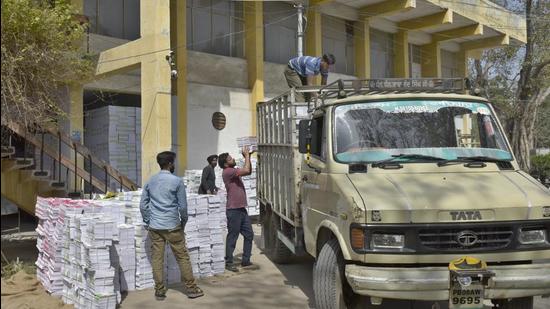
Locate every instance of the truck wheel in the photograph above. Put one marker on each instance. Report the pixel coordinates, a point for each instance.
(517, 303)
(330, 287)
(275, 248)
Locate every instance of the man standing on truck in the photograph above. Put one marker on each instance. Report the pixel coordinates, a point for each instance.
(208, 179)
(164, 210)
(301, 71)
(238, 220)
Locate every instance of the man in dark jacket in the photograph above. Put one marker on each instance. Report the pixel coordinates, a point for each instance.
(208, 179)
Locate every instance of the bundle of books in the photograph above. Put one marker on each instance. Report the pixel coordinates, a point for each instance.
(90, 250)
(249, 182)
(250, 141)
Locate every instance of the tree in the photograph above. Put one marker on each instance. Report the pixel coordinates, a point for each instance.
(517, 78)
(41, 54)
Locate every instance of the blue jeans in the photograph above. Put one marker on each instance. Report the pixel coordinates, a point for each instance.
(238, 222)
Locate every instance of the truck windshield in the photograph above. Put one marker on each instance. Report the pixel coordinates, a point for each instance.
(370, 132)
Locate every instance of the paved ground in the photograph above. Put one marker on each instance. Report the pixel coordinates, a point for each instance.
(272, 286)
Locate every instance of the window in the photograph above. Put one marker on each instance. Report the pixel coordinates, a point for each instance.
(119, 19)
(415, 61)
(373, 131)
(338, 40)
(381, 54)
(449, 64)
(317, 137)
(216, 27)
(280, 29)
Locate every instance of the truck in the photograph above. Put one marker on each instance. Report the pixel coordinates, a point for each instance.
(401, 189)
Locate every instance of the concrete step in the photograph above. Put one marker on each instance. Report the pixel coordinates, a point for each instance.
(75, 195)
(7, 151)
(21, 163)
(57, 185)
(38, 174)
(8, 164)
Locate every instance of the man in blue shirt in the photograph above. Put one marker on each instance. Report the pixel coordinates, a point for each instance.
(164, 210)
(301, 71)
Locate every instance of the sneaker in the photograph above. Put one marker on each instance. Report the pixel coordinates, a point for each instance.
(249, 265)
(160, 294)
(231, 267)
(194, 292)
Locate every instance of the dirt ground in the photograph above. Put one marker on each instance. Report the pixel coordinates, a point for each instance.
(24, 291)
(271, 286)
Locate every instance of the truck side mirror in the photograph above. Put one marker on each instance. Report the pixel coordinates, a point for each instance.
(304, 136)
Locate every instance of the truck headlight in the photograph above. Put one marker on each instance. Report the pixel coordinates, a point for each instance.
(532, 236)
(387, 241)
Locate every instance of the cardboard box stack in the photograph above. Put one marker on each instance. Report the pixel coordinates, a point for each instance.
(92, 250)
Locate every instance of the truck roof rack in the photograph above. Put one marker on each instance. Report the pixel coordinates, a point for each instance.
(345, 88)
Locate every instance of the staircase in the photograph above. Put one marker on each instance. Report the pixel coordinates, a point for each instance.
(47, 162)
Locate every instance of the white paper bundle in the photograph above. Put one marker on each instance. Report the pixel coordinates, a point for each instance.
(250, 141)
(249, 182)
(90, 251)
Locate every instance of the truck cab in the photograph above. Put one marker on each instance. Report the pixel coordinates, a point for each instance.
(409, 194)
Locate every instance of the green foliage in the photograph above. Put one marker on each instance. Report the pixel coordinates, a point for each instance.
(542, 126)
(41, 54)
(540, 166)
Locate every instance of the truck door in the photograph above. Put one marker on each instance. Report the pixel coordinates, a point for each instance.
(314, 181)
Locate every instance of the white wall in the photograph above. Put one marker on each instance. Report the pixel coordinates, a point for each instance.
(203, 138)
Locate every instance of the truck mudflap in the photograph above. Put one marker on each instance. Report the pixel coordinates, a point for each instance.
(457, 283)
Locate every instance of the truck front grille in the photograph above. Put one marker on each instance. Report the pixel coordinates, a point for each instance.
(475, 238)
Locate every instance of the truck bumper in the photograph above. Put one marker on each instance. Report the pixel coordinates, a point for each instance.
(433, 283)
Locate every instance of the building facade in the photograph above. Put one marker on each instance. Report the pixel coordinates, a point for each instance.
(228, 55)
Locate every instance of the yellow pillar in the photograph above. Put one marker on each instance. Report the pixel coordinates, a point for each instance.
(401, 54)
(156, 119)
(76, 112)
(462, 63)
(362, 49)
(431, 60)
(313, 35)
(178, 42)
(76, 93)
(254, 51)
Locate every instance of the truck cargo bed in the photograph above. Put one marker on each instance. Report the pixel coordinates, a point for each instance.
(279, 161)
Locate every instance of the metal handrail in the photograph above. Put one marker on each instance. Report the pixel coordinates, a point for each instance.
(110, 171)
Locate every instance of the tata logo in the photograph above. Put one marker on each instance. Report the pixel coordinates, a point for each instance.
(467, 238)
(466, 215)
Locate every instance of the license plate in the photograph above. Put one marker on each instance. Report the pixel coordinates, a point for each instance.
(466, 297)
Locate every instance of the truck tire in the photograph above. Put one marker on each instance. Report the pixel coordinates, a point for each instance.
(274, 247)
(517, 303)
(330, 287)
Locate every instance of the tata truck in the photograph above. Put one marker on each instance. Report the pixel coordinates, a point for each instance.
(401, 189)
